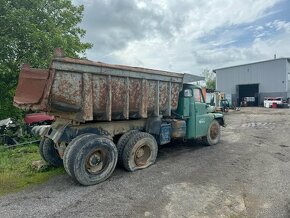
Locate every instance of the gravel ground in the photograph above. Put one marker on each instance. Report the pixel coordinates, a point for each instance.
(246, 175)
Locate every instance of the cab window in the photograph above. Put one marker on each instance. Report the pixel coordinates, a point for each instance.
(198, 95)
(188, 93)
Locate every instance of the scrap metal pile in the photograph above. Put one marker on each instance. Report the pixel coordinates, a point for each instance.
(13, 134)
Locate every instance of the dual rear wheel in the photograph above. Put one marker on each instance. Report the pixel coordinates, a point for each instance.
(90, 159)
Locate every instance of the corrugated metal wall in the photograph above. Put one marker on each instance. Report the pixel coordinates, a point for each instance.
(270, 75)
(288, 76)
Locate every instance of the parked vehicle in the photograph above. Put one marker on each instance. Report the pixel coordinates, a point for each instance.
(110, 113)
(9, 130)
(8, 124)
(38, 119)
(12, 131)
(225, 105)
(36, 123)
(270, 102)
(218, 101)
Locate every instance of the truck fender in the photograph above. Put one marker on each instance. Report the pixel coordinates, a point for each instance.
(220, 118)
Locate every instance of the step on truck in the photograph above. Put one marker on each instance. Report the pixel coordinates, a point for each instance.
(108, 114)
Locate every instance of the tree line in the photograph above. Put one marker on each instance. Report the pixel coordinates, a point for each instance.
(29, 32)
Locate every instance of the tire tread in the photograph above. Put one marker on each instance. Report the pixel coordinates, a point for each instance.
(50, 154)
(76, 152)
(122, 143)
(128, 148)
(207, 140)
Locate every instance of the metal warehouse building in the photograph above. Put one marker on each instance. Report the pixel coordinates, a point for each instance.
(269, 78)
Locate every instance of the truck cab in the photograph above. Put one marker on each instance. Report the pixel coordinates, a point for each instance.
(193, 108)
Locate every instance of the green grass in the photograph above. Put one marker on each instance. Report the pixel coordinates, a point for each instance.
(16, 172)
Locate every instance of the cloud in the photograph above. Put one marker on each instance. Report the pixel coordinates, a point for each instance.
(184, 35)
(112, 24)
(279, 25)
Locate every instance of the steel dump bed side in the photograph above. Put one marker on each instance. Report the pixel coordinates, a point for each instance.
(83, 90)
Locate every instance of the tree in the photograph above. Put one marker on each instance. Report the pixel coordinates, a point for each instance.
(210, 79)
(30, 31)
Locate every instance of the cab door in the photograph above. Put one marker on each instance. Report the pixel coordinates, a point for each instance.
(202, 119)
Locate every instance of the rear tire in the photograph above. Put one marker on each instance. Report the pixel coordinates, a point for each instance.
(41, 148)
(50, 153)
(122, 143)
(67, 152)
(140, 152)
(91, 159)
(213, 134)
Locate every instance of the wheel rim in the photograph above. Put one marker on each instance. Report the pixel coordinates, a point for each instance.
(142, 155)
(214, 131)
(96, 161)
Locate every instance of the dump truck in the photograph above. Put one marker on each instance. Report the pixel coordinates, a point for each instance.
(107, 114)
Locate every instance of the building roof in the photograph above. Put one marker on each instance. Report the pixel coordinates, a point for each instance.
(258, 62)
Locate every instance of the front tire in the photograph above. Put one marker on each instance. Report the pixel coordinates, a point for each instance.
(92, 159)
(140, 152)
(213, 134)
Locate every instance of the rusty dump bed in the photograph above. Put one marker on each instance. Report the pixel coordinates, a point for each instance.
(83, 90)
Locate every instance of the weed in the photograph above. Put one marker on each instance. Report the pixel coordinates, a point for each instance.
(16, 172)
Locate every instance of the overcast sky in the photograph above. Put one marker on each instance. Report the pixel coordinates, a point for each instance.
(186, 35)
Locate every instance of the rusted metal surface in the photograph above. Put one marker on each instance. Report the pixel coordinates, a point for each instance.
(82, 90)
(118, 96)
(178, 128)
(152, 89)
(175, 89)
(135, 91)
(30, 87)
(99, 96)
(109, 67)
(163, 97)
(87, 96)
(67, 88)
(115, 127)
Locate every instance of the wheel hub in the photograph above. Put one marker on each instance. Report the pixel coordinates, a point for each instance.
(95, 160)
(94, 163)
(214, 131)
(139, 153)
(142, 155)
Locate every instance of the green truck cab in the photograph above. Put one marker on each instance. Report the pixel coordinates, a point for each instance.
(199, 122)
